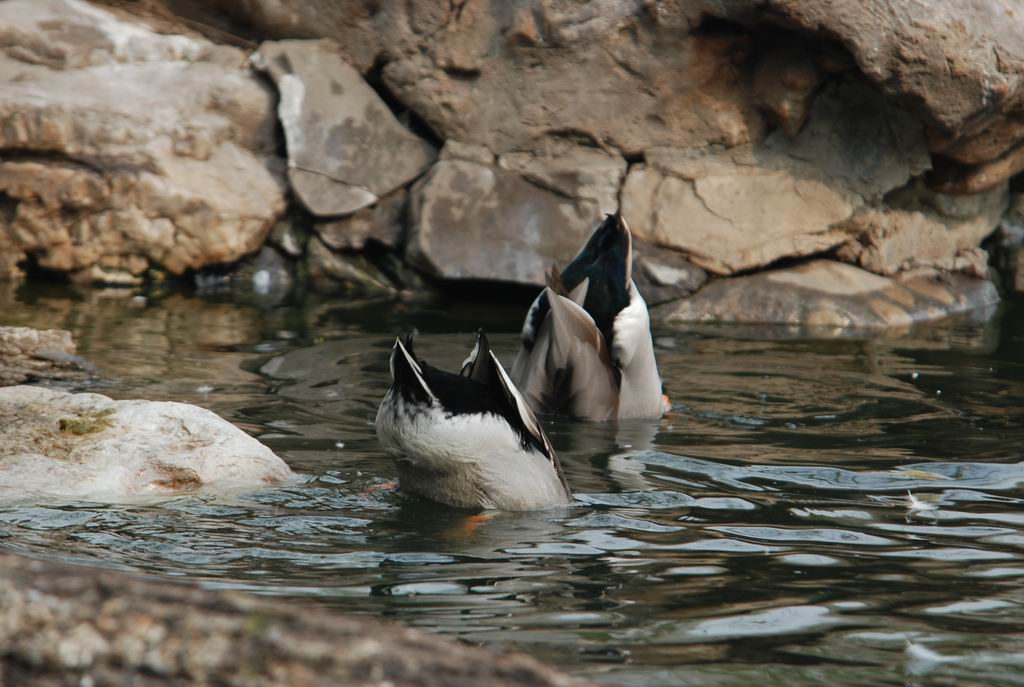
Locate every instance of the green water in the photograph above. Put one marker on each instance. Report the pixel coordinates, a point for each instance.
(762, 531)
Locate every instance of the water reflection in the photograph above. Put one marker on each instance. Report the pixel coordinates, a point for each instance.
(808, 509)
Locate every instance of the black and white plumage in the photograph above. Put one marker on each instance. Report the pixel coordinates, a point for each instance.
(587, 350)
(468, 440)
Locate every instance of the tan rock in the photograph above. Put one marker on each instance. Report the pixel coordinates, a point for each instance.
(474, 221)
(505, 74)
(382, 224)
(925, 230)
(345, 147)
(785, 79)
(745, 207)
(833, 295)
(135, 149)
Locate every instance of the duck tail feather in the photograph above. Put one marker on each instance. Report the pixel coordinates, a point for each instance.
(407, 373)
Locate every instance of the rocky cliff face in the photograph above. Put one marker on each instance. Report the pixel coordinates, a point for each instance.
(482, 140)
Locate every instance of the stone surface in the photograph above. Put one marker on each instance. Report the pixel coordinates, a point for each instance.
(70, 625)
(662, 275)
(347, 271)
(290, 235)
(746, 207)
(382, 224)
(28, 354)
(504, 74)
(345, 147)
(636, 74)
(122, 148)
(88, 446)
(961, 62)
(925, 230)
(474, 221)
(785, 79)
(834, 295)
(952, 177)
(1007, 247)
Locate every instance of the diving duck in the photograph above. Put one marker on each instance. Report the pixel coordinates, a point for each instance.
(468, 440)
(586, 345)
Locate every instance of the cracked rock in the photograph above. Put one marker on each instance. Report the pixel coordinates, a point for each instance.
(125, 149)
(748, 206)
(833, 295)
(925, 230)
(470, 220)
(345, 147)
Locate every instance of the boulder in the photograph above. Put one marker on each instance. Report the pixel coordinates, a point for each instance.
(88, 446)
(635, 74)
(925, 230)
(28, 354)
(1007, 247)
(75, 625)
(960, 63)
(745, 207)
(344, 270)
(834, 295)
(123, 148)
(511, 220)
(345, 147)
(663, 275)
(612, 73)
(381, 224)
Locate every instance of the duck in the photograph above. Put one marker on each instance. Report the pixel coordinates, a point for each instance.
(586, 349)
(467, 439)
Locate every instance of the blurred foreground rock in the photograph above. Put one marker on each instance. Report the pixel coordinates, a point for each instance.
(829, 294)
(89, 446)
(28, 355)
(122, 148)
(67, 625)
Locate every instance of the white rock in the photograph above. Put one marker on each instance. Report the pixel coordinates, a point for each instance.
(91, 447)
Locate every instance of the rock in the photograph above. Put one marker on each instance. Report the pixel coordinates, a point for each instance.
(125, 149)
(454, 150)
(785, 79)
(363, 30)
(577, 172)
(1007, 246)
(748, 206)
(332, 271)
(615, 73)
(77, 625)
(88, 446)
(829, 294)
(932, 232)
(28, 355)
(382, 223)
(290, 236)
(345, 147)
(950, 176)
(961, 63)
(663, 275)
(474, 221)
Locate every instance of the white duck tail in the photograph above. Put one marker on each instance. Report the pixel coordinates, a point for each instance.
(467, 440)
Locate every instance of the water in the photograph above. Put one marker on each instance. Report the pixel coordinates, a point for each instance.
(812, 512)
